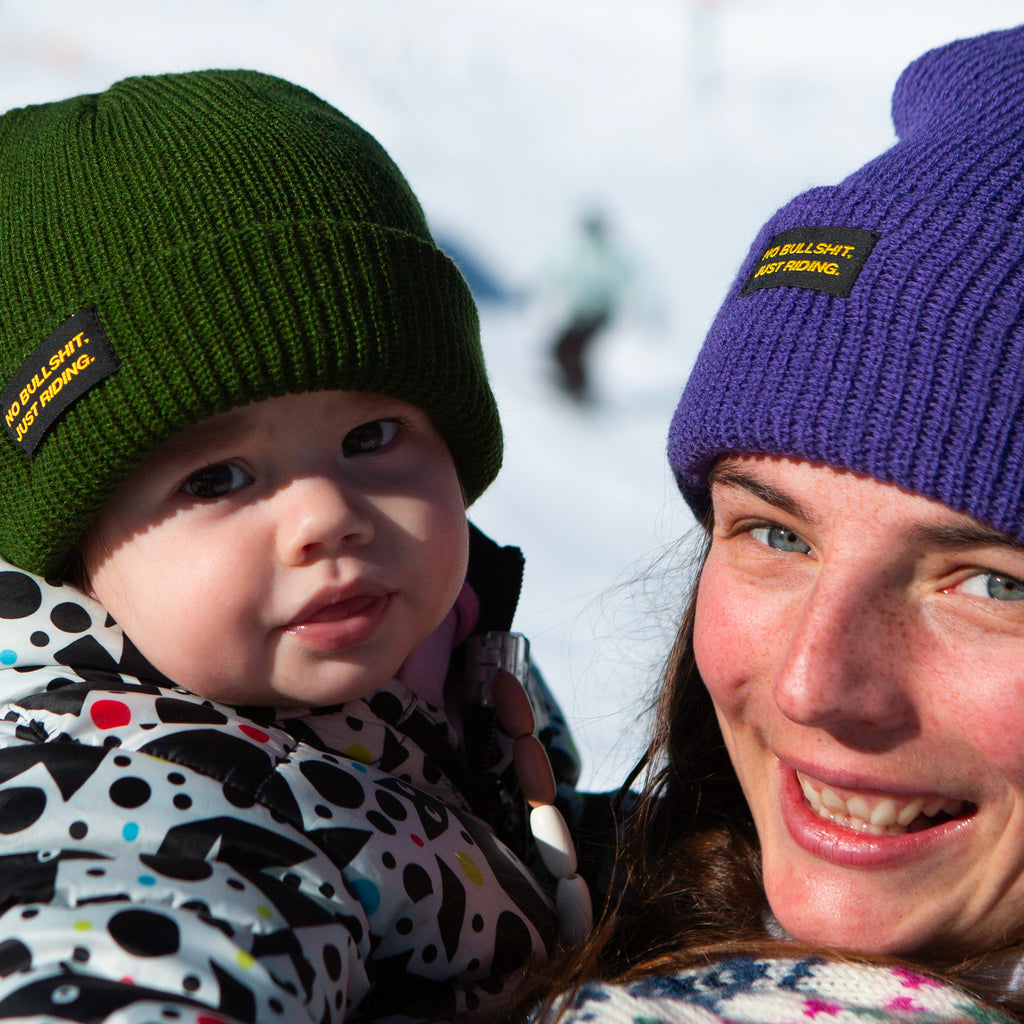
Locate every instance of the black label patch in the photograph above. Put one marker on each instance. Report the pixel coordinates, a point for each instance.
(824, 259)
(75, 358)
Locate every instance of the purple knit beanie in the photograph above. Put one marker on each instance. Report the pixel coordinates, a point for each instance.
(878, 325)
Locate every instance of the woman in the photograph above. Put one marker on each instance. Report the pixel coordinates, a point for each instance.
(839, 761)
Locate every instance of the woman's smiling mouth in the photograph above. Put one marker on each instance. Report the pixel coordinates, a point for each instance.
(879, 814)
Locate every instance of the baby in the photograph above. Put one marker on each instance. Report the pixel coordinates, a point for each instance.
(246, 773)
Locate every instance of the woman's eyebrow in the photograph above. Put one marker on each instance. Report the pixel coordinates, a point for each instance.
(731, 477)
(968, 535)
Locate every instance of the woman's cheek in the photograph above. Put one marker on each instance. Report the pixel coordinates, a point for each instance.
(721, 634)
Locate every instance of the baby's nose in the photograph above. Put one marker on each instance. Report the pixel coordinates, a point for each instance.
(319, 516)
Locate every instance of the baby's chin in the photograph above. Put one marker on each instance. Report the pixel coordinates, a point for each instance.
(285, 701)
(286, 677)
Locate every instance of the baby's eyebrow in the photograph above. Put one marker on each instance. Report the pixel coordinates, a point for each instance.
(196, 438)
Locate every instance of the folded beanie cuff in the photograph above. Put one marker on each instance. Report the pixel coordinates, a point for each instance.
(243, 316)
(220, 237)
(911, 369)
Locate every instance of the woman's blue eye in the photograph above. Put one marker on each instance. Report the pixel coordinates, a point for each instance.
(369, 437)
(994, 585)
(216, 481)
(780, 538)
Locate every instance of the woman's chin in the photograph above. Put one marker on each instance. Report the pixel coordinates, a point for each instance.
(848, 918)
(837, 909)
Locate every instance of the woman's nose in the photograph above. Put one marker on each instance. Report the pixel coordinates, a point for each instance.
(848, 664)
(318, 516)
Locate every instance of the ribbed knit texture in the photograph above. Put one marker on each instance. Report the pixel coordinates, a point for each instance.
(239, 239)
(917, 377)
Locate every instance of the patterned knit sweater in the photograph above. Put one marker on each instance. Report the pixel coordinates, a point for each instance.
(745, 990)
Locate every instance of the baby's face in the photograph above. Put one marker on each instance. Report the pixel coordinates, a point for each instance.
(288, 553)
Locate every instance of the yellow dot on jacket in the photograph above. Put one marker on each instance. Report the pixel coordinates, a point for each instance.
(469, 868)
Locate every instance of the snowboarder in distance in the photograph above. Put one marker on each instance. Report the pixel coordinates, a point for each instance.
(593, 276)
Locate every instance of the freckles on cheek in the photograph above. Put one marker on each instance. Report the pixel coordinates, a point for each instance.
(994, 728)
(714, 633)
(727, 643)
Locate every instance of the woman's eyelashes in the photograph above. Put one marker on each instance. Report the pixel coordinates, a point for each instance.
(780, 538)
(997, 586)
(370, 437)
(216, 481)
(985, 583)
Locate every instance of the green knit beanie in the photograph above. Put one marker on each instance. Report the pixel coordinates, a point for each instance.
(180, 245)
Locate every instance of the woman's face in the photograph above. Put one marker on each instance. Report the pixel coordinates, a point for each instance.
(864, 648)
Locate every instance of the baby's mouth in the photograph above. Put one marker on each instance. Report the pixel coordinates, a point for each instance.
(880, 815)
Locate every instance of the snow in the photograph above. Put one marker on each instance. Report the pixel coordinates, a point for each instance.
(688, 121)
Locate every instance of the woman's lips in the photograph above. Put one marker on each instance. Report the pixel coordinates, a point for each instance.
(335, 625)
(860, 828)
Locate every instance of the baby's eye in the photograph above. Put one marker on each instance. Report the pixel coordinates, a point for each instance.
(216, 481)
(369, 437)
(995, 585)
(780, 538)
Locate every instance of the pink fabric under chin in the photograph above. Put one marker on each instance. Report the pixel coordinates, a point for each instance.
(425, 669)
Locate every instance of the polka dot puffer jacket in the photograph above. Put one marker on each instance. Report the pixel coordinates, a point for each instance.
(166, 858)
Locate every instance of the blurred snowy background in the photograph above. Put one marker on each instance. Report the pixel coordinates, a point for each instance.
(687, 122)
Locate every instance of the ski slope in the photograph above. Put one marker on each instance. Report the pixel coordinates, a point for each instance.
(687, 121)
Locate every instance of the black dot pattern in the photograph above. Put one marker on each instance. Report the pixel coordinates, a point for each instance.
(256, 864)
(20, 595)
(71, 617)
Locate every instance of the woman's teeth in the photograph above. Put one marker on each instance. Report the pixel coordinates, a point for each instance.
(885, 816)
